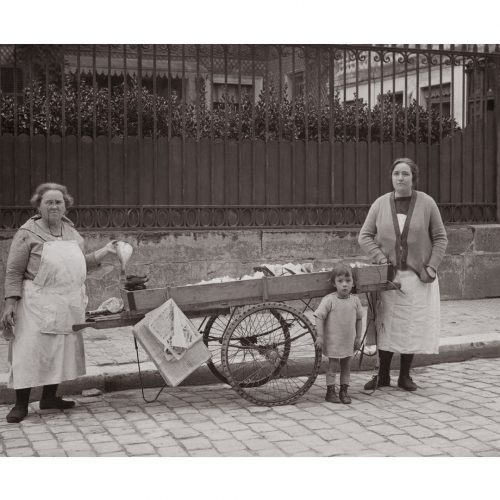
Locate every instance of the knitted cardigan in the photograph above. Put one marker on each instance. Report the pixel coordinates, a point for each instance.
(423, 240)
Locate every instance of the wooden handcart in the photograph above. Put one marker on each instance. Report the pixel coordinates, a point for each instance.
(261, 340)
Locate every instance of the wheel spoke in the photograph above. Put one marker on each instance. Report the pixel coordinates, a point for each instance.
(264, 350)
(212, 336)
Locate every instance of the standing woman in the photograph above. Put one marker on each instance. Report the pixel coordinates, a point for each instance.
(44, 297)
(404, 228)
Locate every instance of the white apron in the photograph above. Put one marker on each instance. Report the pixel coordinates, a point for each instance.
(45, 350)
(408, 320)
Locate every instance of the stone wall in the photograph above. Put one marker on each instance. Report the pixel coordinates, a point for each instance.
(470, 269)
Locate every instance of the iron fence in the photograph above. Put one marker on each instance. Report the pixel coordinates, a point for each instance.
(172, 217)
(205, 130)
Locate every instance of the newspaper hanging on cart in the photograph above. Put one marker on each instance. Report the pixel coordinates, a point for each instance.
(172, 342)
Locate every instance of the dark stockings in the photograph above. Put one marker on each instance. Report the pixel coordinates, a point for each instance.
(20, 410)
(49, 391)
(23, 397)
(384, 370)
(385, 363)
(406, 361)
(49, 400)
(385, 358)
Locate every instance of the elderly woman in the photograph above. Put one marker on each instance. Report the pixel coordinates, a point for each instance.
(44, 297)
(404, 228)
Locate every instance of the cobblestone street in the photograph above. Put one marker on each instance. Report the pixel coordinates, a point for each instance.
(455, 412)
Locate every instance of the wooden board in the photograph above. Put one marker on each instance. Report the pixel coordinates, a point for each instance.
(198, 297)
(203, 297)
(130, 318)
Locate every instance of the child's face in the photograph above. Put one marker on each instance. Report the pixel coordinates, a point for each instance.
(343, 284)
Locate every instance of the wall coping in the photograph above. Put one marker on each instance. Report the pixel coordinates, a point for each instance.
(8, 233)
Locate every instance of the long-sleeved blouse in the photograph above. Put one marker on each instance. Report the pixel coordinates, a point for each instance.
(25, 252)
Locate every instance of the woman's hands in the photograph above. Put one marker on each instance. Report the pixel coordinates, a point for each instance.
(110, 247)
(427, 275)
(9, 317)
(430, 271)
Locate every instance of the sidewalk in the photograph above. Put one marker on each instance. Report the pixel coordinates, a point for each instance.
(469, 329)
(455, 412)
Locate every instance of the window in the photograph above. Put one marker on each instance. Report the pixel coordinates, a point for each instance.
(297, 83)
(353, 101)
(223, 93)
(480, 90)
(7, 81)
(438, 98)
(147, 83)
(162, 86)
(389, 97)
(399, 98)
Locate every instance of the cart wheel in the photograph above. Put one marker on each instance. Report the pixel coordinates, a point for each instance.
(212, 336)
(268, 354)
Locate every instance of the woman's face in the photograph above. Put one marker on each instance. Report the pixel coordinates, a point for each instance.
(52, 206)
(402, 179)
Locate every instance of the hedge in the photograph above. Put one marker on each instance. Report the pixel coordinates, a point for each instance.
(271, 117)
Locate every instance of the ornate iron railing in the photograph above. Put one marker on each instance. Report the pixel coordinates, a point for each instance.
(191, 218)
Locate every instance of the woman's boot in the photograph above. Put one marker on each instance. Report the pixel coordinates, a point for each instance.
(383, 379)
(405, 381)
(50, 401)
(20, 409)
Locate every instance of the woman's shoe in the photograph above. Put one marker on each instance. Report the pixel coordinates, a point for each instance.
(377, 381)
(17, 414)
(406, 383)
(343, 396)
(56, 403)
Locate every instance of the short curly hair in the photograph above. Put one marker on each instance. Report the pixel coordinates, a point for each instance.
(413, 167)
(48, 186)
(340, 269)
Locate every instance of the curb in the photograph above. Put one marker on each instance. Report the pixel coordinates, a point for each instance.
(109, 378)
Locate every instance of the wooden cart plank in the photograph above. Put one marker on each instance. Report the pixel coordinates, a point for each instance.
(198, 297)
(202, 297)
(217, 298)
(130, 318)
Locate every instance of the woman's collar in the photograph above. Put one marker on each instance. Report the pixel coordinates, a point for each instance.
(404, 196)
(64, 219)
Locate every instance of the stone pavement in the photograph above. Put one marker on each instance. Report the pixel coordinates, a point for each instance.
(455, 412)
(469, 328)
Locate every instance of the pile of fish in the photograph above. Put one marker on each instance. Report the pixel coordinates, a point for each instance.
(264, 270)
(274, 270)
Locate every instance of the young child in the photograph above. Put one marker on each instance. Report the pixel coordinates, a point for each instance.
(339, 324)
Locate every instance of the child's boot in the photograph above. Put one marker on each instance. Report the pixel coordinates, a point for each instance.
(331, 394)
(343, 396)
